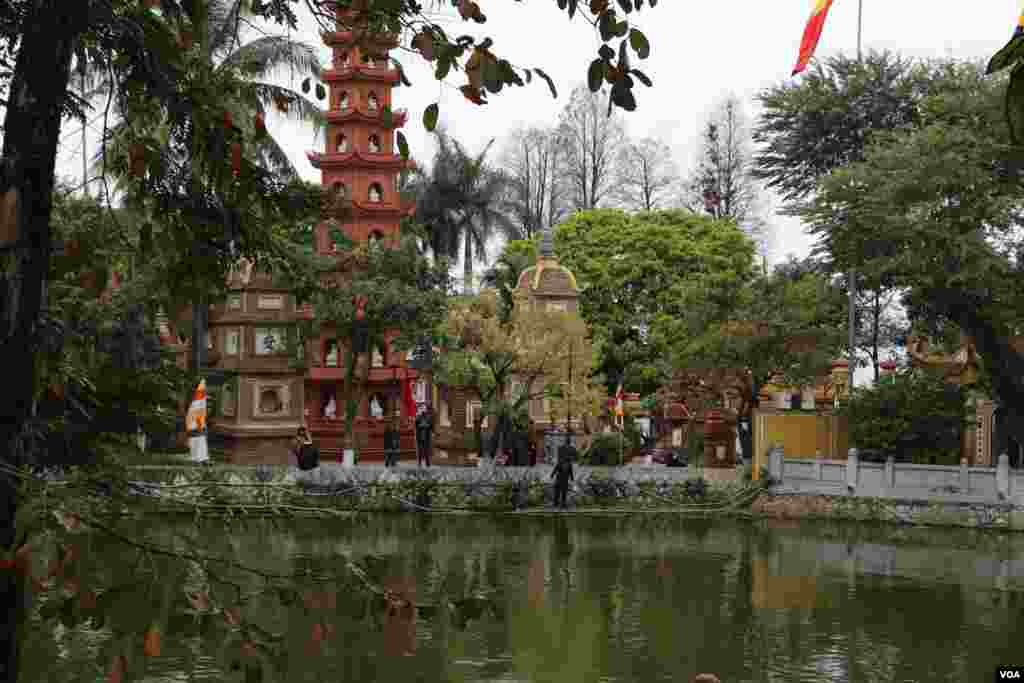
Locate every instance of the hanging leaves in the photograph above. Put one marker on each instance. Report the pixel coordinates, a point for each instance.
(118, 666)
(472, 94)
(403, 145)
(638, 41)
(430, 115)
(236, 158)
(551, 83)
(321, 92)
(151, 643)
(595, 74)
(423, 42)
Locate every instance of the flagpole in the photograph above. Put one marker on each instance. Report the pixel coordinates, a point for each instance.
(852, 277)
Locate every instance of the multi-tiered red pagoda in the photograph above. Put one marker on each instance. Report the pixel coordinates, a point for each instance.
(362, 165)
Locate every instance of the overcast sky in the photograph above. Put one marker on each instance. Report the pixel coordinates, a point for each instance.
(700, 51)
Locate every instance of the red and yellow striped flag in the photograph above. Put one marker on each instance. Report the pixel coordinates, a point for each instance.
(812, 32)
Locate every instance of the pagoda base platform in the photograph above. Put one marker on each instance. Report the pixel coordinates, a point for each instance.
(264, 446)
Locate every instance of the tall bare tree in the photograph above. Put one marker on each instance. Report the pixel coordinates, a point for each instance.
(537, 192)
(723, 183)
(646, 175)
(590, 139)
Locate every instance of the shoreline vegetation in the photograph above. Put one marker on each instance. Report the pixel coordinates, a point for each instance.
(278, 490)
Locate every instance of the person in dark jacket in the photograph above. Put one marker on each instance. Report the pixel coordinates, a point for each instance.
(307, 456)
(424, 428)
(562, 474)
(391, 442)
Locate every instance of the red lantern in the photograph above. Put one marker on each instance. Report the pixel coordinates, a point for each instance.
(236, 157)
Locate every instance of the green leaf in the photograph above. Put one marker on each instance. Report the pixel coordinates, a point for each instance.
(622, 97)
(638, 41)
(641, 76)
(606, 52)
(620, 28)
(444, 65)
(626, 5)
(401, 75)
(529, 76)
(1015, 104)
(595, 74)
(604, 25)
(572, 7)
(430, 117)
(403, 146)
(305, 86)
(551, 83)
(386, 116)
(1007, 56)
(623, 57)
(321, 92)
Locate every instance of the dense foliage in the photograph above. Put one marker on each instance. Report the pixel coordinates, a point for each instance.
(914, 416)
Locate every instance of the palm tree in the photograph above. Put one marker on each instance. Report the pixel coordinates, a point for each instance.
(219, 42)
(504, 277)
(461, 202)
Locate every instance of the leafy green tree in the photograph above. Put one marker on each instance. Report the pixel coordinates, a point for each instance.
(916, 416)
(935, 210)
(776, 327)
(461, 201)
(640, 273)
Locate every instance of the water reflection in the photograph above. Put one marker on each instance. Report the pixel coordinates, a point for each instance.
(536, 599)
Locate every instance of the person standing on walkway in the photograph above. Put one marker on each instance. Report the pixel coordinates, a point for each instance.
(562, 474)
(391, 442)
(424, 429)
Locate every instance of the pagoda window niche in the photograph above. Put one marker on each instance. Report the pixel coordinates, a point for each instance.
(331, 352)
(377, 405)
(377, 356)
(376, 193)
(270, 401)
(341, 143)
(341, 60)
(371, 102)
(343, 101)
(375, 240)
(340, 190)
(369, 61)
(374, 144)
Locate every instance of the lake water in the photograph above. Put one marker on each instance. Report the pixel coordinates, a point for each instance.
(572, 599)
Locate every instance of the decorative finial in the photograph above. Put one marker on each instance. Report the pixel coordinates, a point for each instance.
(547, 247)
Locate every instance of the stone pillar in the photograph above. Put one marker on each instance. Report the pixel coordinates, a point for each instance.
(1003, 476)
(777, 462)
(852, 468)
(890, 473)
(964, 481)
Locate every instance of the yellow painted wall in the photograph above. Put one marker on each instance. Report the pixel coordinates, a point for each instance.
(802, 435)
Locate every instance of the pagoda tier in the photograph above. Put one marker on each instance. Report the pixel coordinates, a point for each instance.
(357, 159)
(349, 38)
(365, 115)
(361, 72)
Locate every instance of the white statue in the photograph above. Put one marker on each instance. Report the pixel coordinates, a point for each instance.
(374, 144)
(371, 102)
(343, 101)
(332, 408)
(376, 409)
(342, 144)
(374, 193)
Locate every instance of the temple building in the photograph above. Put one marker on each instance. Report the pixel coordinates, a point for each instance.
(362, 166)
(273, 392)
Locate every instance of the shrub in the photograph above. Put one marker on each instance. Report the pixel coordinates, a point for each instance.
(605, 449)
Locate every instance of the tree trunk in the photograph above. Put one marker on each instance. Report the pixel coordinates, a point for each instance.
(467, 263)
(31, 132)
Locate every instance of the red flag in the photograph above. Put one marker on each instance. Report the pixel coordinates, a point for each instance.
(812, 32)
(407, 399)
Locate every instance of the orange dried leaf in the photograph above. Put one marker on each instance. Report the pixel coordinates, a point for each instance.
(199, 601)
(118, 665)
(232, 616)
(87, 599)
(151, 643)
